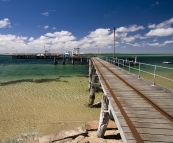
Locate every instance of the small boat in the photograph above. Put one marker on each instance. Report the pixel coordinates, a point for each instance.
(167, 62)
(40, 54)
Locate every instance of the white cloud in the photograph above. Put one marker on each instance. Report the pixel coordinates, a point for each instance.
(9, 43)
(62, 40)
(168, 42)
(165, 24)
(50, 35)
(128, 39)
(57, 40)
(144, 44)
(160, 32)
(45, 13)
(31, 39)
(151, 26)
(98, 38)
(154, 44)
(54, 28)
(131, 28)
(135, 45)
(4, 23)
(46, 26)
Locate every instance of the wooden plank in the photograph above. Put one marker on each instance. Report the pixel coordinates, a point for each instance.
(152, 126)
(157, 138)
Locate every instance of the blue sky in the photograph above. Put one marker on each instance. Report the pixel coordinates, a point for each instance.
(142, 26)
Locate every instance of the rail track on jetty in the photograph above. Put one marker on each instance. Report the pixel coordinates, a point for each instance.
(143, 113)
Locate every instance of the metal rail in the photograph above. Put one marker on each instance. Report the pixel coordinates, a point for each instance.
(128, 121)
(167, 115)
(149, 72)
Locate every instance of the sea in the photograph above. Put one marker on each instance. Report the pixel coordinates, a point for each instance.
(40, 98)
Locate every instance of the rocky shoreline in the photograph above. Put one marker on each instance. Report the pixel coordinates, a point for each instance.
(87, 134)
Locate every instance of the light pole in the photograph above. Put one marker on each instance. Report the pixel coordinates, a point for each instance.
(98, 50)
(114, 41)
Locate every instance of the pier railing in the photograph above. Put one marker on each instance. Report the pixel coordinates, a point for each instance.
(158, 75)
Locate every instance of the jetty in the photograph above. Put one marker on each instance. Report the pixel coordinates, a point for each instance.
(56, 58)
(142, 110)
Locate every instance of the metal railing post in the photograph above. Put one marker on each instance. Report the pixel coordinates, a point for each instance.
(154, 82)
(129, 66)
(118, 62)
(139, 70)
(123, 64)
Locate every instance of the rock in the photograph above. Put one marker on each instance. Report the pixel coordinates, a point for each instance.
(69, 134)
(37, 139)
(78, 139)
(96, 105)
(92, 138)
(68, 140)
(93, 125)
(80, 135)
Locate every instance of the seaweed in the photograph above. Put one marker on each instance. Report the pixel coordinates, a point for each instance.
(30, 80)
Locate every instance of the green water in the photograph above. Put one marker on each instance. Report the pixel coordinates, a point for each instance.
(18, 69)
(38, 97)
(164, 72)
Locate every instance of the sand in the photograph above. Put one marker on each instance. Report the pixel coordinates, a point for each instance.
(44, 107)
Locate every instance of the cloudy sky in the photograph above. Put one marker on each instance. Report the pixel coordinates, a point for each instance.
(142, 26)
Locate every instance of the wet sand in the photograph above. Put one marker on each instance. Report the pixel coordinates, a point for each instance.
(45, 107)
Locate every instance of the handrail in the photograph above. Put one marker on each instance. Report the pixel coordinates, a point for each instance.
(146, 71)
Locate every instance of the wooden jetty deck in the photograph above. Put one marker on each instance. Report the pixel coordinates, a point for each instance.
(143, 113)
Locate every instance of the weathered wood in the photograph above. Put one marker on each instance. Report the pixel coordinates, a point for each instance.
(150, 124)
(63, 61)
(55, 61)
(96, 105)
(104, 118)
(72, 61)
(92, 96)
(81, 60)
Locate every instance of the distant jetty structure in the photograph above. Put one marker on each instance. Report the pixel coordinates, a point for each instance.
(73, 55)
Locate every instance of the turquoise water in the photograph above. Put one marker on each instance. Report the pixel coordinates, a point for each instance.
(25, 69)
(22, 69)
(154, 59)
(164, 72)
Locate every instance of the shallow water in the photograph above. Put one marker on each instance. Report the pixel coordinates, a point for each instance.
(38, 97)
(45, 108)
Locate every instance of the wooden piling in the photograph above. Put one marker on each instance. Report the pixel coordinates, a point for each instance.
(55, 61)
(104, 117)
(92, 90)
(63, 61)
(72, 61)
(81, 60)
